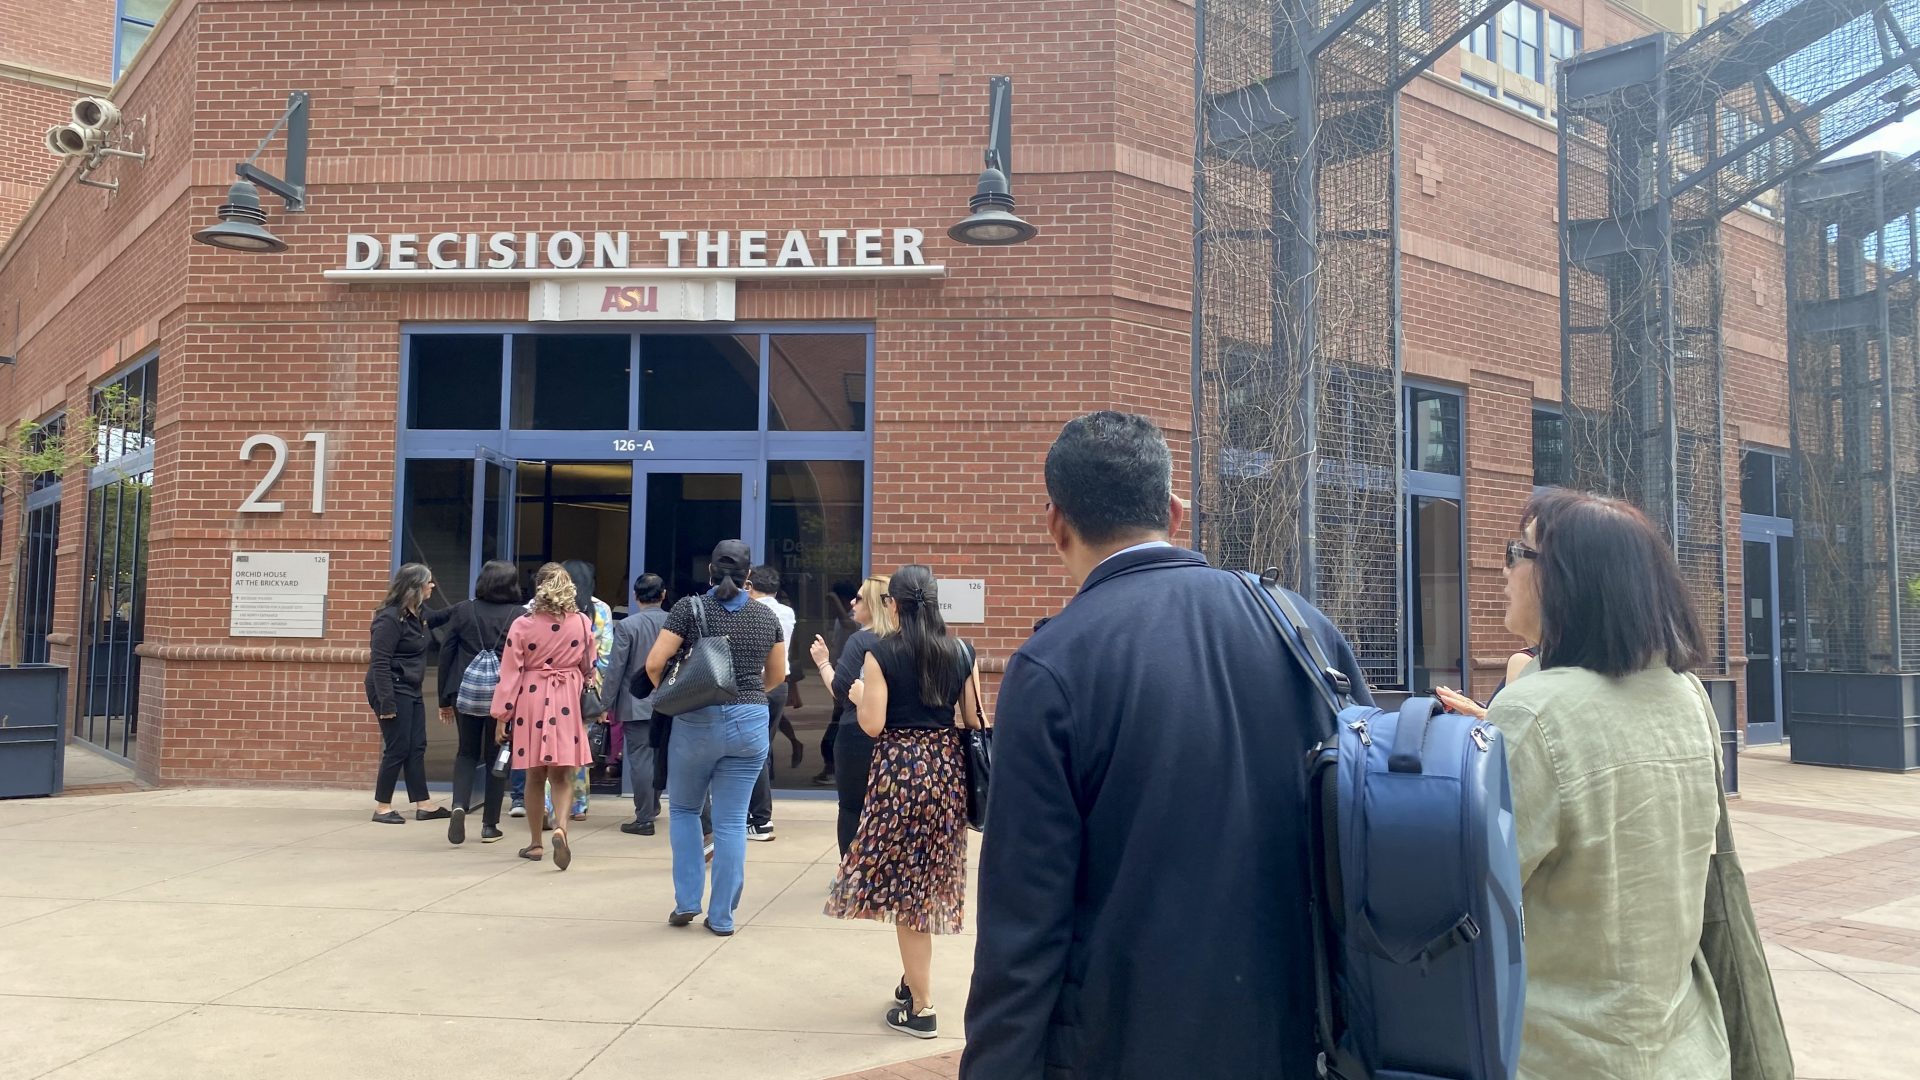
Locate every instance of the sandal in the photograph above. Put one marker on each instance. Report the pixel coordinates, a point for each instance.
(562, 852)
(530, 853)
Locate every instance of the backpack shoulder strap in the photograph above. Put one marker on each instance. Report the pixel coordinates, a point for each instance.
(1332, 684)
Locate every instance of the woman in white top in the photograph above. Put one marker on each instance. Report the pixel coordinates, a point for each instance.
(762, 583)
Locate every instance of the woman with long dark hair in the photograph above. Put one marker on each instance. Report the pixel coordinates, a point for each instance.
(477, 626)
(597, 611)
(1613, 752)
(718, 749)
(399, 640)
(908, 862)
(853, 748)
(549, 657)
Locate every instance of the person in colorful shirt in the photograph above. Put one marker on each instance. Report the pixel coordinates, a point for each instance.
(597, 610)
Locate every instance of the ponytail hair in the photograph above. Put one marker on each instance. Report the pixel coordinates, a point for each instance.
(923, 633)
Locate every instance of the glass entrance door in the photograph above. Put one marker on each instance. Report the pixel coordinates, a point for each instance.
(685, 510)
(1771, 618)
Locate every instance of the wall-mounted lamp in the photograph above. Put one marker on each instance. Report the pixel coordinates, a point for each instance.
(242, 223)
(992, 221)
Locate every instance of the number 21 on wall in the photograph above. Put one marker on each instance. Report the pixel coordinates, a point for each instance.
(255, 503)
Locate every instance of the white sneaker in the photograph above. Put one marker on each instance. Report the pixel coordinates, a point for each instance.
(519, 810)
(760, 832)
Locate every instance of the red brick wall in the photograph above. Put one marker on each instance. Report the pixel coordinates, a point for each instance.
(62, 37)
(707, 115)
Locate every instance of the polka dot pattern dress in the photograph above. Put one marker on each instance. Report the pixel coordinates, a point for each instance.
(543, 668)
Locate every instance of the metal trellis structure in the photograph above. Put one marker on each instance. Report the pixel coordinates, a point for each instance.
(1296, 295)
(1660, 139)
(1852, 229)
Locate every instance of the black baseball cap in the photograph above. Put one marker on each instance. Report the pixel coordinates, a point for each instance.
(733, 558)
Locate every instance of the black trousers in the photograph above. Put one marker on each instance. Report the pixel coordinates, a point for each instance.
(853, 755)
(760, 805)
(404, 740)
(477, 750)
(827, 738)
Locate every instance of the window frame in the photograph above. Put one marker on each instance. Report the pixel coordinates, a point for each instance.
(1418, 484)
(122, 20)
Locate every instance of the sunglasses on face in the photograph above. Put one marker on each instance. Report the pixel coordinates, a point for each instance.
(1518, 550)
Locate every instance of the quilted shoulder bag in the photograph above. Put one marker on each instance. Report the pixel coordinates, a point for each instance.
(703, 673)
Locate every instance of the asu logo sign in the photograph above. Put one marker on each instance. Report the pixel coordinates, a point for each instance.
(630, 299)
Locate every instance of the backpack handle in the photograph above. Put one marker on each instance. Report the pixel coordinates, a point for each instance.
(1410, 736)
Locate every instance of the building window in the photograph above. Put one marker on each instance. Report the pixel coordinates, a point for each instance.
(1435, 540)
(1563, 43)
(1699, 15)
(1550, 459)
(453, 382)
(1514, 101)
(817, 382)
(39, 569)
(1766, 483)
(1479, 86)
(113, 594)
(136, 19)
(1520, 40)
(816, 538)
(1480, 42)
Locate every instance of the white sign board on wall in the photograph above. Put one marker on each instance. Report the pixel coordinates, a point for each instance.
(963, 600)
(279, 594)
(658, 299)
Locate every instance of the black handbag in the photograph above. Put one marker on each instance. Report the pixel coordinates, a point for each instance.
(598, 735)
(976, 745)
(702, 676)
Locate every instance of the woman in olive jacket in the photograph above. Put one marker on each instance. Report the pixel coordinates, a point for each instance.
(399, 641)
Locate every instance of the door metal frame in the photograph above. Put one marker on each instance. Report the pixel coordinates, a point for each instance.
(1763, 529)
(752, 525)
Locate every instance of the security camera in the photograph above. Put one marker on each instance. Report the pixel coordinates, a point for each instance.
(73, 140)
(96, 112)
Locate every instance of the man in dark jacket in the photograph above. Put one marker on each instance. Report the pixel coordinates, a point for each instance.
(1143, 885)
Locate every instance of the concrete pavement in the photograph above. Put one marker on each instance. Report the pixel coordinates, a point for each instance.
(235, 933)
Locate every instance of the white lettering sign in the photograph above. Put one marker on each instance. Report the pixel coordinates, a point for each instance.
(963, 600)
(570, 250)
(277, 450)
(279, 594)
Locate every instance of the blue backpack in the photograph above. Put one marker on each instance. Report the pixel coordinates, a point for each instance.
(1417, 923)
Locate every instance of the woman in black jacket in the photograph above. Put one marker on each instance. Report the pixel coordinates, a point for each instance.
(399, 641)
(473, 627)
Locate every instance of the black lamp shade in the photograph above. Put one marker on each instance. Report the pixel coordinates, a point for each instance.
(242, 223)
(992, 222)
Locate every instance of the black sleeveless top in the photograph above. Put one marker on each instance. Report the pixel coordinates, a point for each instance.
(905, 710)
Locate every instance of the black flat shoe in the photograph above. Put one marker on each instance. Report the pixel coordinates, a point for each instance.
(708, 923)
(440, 814)
(681, 918)
(389, 818)
(490, 835)
(457, 828)
(637, 828)
(531, 853)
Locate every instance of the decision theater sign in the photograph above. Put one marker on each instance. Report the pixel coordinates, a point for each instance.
(592, 276)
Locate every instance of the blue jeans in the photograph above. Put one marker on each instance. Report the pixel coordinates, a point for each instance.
(718, 749)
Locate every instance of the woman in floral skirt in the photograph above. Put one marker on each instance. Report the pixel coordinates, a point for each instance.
(908, 861)
(547, 662)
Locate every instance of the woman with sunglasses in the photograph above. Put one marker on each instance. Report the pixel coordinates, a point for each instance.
(852, 747)
(399, 640)
(1613, 753)
(1517, 665)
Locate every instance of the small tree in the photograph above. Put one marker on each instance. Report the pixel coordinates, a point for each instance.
(32, 449)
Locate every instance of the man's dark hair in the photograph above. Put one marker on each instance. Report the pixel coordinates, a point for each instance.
(1611, 596)
(648, 588)
(1111, 476)
(498, 583)
(764, 579)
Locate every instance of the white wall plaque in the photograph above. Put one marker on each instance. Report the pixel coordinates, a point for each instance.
(963, 600)
(279, 594)
(639, 300)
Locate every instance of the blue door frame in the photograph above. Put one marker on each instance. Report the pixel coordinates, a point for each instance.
(1757, 529)
(648, 451)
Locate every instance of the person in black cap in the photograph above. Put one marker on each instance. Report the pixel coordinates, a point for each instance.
(719, 749)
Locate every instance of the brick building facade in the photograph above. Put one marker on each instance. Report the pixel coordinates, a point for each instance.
(894, 414)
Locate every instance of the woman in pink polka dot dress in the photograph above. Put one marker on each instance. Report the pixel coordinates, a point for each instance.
(548, 657)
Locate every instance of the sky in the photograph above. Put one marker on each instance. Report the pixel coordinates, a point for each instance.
(1900, 139)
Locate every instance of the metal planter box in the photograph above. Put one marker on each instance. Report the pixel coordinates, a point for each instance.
(33, 729)
(1857, 720)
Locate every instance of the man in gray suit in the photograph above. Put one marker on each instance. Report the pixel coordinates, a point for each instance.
(632, 641)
